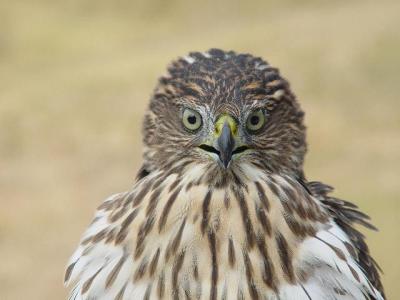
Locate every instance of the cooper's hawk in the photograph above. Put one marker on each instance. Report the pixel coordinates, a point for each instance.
(221, 208)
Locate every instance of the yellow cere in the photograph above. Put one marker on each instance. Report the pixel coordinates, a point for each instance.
(221, 121)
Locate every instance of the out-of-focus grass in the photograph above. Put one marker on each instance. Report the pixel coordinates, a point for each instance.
(75, 77)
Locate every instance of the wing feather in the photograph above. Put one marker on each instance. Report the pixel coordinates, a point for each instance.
(97, 261)
(345, 215)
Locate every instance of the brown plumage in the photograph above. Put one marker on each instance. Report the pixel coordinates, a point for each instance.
(221, 208)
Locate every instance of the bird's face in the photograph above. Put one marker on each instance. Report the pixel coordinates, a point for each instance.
(223, 110)
(223, 136)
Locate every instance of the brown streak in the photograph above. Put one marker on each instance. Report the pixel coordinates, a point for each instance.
(248, 226)
(120, 294)
(262, 196)
(114, 273)
(124, 227)
(161, 285)
(206, 210)
(175, 272)
(177, 240)
(226, 200)
(144, 229)
(167, 208)
(355, 274)
(100, 235)
(268, 275)
(174, 184)
(231, 253)
(214, 265)
(249, 276)
(110, 235)
(154, 261)
(68, 272)
(153, 201)
(140, 271)
(296, 227)
(339, 253)
(88, 283)
(265, 223)
(139, 197)
(285, 256)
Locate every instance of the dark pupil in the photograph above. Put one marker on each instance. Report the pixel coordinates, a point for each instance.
(254, 120)
(192, 119)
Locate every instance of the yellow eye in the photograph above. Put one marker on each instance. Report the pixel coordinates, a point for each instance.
(191, 119)
(255, 120)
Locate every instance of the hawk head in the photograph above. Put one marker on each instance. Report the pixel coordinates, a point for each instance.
(224, 109)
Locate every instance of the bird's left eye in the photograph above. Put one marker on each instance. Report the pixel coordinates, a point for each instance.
(191, 119)
(255, 120)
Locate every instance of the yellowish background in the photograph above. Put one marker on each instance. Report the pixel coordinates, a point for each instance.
(75, 77)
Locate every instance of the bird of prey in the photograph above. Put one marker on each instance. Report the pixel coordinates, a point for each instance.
(221, 207)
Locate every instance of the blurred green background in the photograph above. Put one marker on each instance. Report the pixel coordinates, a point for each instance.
(75, 78)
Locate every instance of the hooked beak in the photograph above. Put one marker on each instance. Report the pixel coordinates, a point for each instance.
(224, 140)
(226, 144)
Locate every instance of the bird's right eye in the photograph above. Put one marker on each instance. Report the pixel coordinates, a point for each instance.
(191, 119)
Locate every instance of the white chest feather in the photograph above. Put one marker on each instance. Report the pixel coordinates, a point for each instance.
(177, 238)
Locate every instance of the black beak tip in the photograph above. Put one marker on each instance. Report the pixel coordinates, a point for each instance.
(226, 163)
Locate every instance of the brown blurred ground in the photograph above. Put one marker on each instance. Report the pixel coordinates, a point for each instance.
(75, 77)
